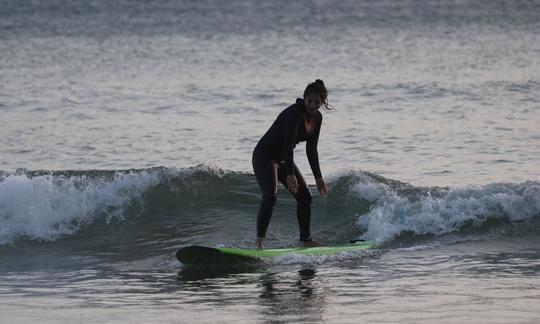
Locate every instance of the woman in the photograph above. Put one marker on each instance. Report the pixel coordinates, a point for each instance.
(273, 160)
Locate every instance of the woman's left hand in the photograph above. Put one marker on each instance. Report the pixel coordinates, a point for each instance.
(321, 186)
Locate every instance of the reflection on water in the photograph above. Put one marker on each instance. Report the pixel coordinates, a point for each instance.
(195, 274)
(301, 297)
(278, 293)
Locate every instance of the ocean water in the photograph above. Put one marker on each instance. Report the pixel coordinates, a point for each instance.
(126, 133)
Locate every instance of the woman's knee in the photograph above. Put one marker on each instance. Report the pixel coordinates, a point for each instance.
(304, 196)
(269, 198)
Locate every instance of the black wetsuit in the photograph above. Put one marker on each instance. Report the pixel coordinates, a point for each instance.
(274, 152)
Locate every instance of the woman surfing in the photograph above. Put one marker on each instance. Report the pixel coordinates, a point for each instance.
(273, 160)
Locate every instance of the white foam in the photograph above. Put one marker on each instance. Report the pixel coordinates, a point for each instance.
(295, 258)
(392, 214)
(46, 207)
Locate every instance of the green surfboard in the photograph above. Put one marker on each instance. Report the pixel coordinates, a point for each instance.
(198, 255)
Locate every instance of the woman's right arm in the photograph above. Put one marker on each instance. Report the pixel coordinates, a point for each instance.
(291, 130)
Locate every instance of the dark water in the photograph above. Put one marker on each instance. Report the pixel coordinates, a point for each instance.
(126, 132)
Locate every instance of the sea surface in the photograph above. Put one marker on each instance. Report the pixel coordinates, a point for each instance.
(126, 133)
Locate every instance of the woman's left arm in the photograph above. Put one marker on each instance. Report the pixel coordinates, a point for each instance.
(313, 158)
(311, 149)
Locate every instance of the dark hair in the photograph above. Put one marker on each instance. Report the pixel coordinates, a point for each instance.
(318, 89)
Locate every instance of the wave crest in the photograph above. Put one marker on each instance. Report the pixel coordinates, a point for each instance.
(443, 210)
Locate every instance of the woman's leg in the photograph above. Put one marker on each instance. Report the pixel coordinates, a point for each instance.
(303, 201)
(266, 174)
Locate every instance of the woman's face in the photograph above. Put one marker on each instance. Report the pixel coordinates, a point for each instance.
(313, 103)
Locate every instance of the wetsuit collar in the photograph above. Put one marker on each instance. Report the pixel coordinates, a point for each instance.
(300, 102)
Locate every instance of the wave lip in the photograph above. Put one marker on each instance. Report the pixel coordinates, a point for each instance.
(439, 211)
(44, 207)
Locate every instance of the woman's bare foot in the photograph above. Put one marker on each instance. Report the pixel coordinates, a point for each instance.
(258, 244)
(312, 243)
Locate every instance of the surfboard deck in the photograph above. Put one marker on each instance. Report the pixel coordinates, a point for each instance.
(198, 255)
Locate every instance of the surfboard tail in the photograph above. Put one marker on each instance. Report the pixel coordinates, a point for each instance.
(202, 255)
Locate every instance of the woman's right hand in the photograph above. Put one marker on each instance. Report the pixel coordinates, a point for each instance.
(292, 184)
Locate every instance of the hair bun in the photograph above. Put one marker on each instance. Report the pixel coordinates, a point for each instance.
(320, 82)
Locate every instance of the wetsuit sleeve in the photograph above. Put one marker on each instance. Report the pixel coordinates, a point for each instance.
(311, 150)
(291, 130)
